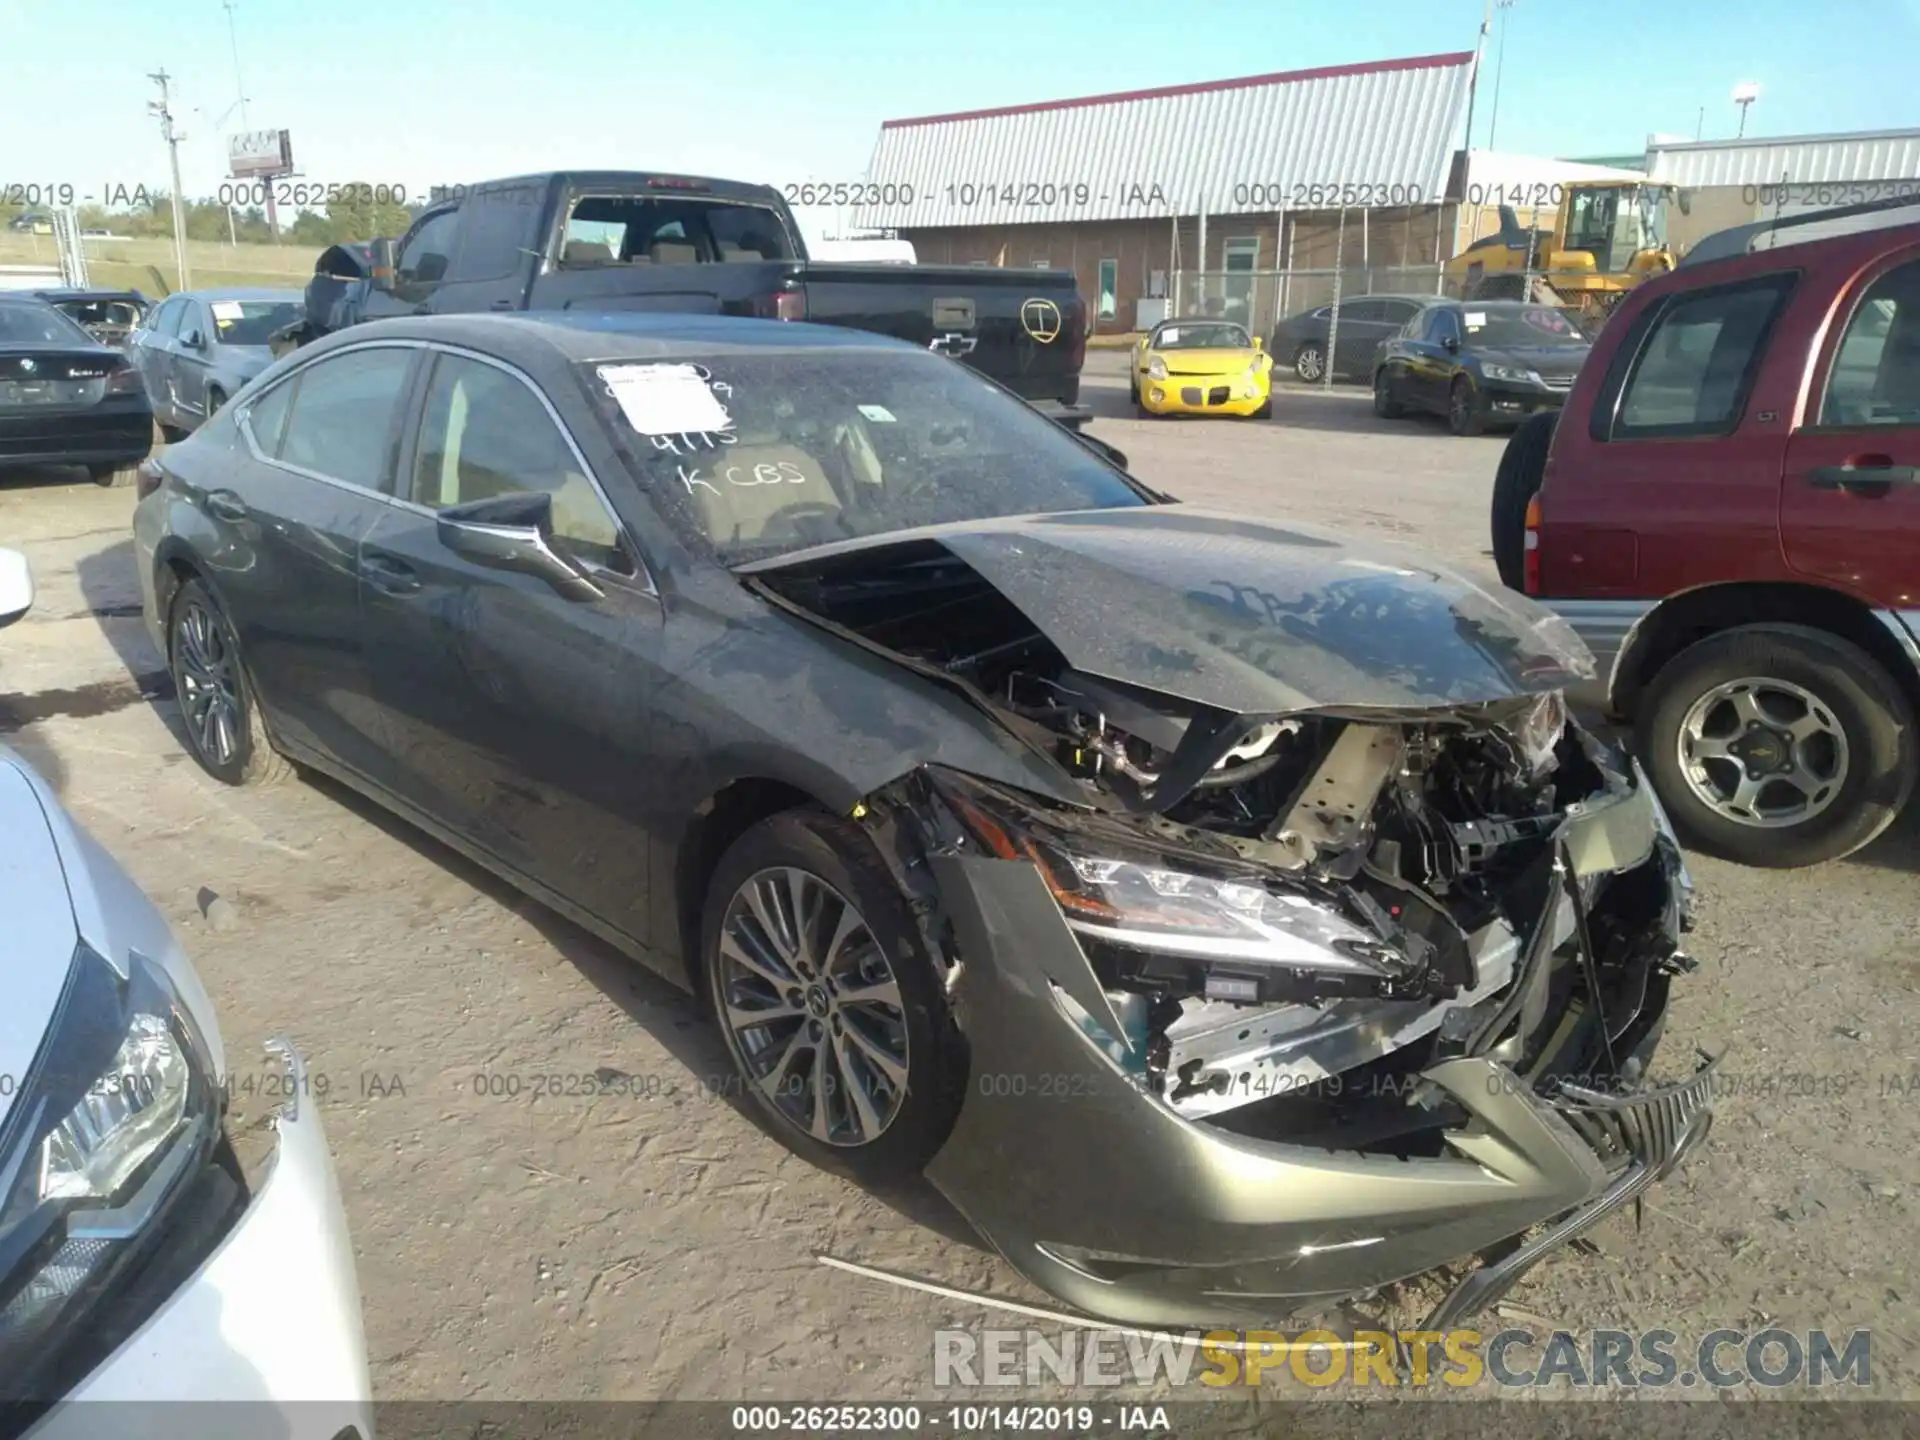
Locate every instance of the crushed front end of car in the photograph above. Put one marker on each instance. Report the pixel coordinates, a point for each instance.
(1340, 951)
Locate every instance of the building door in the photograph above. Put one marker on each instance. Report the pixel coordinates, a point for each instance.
(1241, 254)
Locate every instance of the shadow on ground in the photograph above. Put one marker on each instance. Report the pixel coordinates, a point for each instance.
(666, 1012)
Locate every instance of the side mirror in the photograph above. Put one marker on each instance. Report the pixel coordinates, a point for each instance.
(16, 587)
(1452, 343)
(382, 276)
(193, 339)
(1257, 344)
(512, 532)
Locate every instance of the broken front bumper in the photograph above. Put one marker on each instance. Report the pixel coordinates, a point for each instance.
(1098, 1189)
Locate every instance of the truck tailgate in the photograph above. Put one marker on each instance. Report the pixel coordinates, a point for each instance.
(1025, 328)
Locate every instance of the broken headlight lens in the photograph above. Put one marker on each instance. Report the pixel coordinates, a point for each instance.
(1137, 892)
(1538, 730)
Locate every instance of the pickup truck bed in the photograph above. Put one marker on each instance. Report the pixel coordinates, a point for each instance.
(624, 241)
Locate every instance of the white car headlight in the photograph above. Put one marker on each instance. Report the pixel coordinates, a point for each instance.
(1156, 368)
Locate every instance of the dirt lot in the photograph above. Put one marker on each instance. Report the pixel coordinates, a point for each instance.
(522, 1245)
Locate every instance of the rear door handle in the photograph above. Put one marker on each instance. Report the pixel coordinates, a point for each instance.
(388, 575)
(1867, 475)
(226, 505)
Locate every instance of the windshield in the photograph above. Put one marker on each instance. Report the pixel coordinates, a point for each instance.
(756, 454)
(1526, 326)
(37, 324)
(1206, 335)
(1593, 222)
(251, 322)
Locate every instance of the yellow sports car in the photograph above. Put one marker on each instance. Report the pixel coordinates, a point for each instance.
(1201, 367)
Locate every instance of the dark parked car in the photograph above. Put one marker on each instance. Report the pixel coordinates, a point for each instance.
(110, 316)
(1017, 822)
(1480, 363)
(66, 399)
(1366, 322)
(197, 349)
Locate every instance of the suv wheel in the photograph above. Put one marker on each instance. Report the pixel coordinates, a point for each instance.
(1310, 363)
(1778, 746)
(223, 725)
(1522, 466)
(833, 1013)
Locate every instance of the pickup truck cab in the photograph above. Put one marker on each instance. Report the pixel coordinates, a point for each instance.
(616, 240)
(1728, 511)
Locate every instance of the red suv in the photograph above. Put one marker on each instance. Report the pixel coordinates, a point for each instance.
(1728, 511)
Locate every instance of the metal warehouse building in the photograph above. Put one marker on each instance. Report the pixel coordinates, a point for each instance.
(1730, 182)
(1237, 197)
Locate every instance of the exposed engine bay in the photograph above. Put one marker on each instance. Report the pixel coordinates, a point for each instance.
(1286, 914)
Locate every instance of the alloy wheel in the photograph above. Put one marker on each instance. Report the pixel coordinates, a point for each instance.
(1309, 364)
(1763, 752)
(812, 1006)
(209, 682)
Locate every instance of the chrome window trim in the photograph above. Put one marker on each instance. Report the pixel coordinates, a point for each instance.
(642, 582)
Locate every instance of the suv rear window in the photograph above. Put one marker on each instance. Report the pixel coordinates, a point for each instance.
(1692, 368)
(1875, 378)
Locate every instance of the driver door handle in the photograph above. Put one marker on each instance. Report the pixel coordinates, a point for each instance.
(1872, 475)
(389, 575)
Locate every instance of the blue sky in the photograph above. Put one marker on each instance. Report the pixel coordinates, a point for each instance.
(424, 91)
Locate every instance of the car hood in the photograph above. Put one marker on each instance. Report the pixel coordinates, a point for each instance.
(42, 933)
(1253, 616)
(1547, 359)
(1205, 362)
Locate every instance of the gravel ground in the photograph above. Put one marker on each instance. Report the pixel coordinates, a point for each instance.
(520, 1239)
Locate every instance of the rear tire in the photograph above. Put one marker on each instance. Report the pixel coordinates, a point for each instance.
(1852, 692)
(1310, 363)
(837, 855)
(112, 477)
(1522, 465)
(224, 731)
(1465, 414)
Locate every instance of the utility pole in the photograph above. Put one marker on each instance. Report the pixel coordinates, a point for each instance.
(1499, 69)
(163, 107)
(233, 40)
(1473, 77)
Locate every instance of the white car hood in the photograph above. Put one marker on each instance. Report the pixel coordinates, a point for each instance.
(57, 887)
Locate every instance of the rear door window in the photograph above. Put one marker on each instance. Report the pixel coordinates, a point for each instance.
(1875, 379)
(343, 417)
(1695, 360)
(267, 417)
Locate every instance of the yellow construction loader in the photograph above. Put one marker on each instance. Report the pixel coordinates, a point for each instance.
(1607, 237)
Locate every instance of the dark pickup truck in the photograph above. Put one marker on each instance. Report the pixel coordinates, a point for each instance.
(612, 240)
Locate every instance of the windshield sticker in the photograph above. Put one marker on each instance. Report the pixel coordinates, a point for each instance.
(1170, 337)
(227, 310)
(1476, 319)
(879, 414)
(666, 399)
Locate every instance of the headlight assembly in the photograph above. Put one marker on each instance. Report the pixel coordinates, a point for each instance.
(1514, 374)
(1238, 930)
(120, 1106)
(1156, 368)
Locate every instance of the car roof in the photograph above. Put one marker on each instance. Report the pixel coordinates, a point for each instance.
(589, 336)
(70, 294)
(239, 292)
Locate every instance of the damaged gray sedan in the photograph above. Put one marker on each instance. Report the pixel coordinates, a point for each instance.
(1221, 914)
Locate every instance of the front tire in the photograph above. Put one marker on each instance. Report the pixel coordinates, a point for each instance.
(1265, 412)
(1465, 416)
(1133, 391)
(1386, 400)
(1778, 746)
(224, 730)
(832, 1010)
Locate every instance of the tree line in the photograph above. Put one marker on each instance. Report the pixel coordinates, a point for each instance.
(353, 214)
